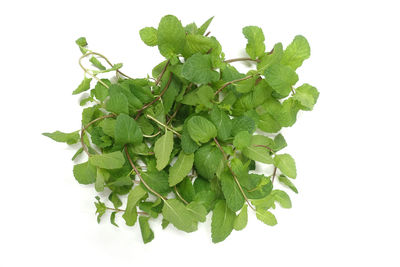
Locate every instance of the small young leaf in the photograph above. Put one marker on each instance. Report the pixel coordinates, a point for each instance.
(149, 36)
(83, 86)
(284, 180)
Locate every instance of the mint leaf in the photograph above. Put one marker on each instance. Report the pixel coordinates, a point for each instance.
(83, 86)
(257, 153)
(197, 210)
(242, 140)
(118, 103)
(85, 173)
(162, 149)
(127, 131)
(158, 181)
(255, 41)
(198, 69)
(307, 96)
(69, 138)
(176, 213)
(130, 214)
(241, 219)
(170, 36)
(97, 63)
(296, 52)
(101, 177)
(281, 78)
(149, 36)
(221, 222)
(207, 160)
(233, 196)
(285, 163)
(266, 217)
(285, 181)
(200, 129)
(147, 233)
(282, 198)
(113, 160)
(181, 168)
(204, 26)
(222, 122)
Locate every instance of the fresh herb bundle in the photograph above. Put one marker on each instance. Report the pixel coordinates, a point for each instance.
(186, 142)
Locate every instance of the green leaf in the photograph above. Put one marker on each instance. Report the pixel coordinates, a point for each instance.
(100, 91)
(69, 138)
(130, 214)
(281, 78)
(147, 233)
(233, 196)
(207, 160)
(285, 163)
(196, 43)
(181, 168)
(296, 52)
(242, 140)
(266, 217)
(197, 210)
(188, 145)
(97, 63)
(198, 69)
(170, 36)
(83, 86)
(118, 103)
(221, 222)
(158, 181)
(163, 148)
(149, 36)
(112, 219)
(85, 173)
(256, 153)
(246, 85)
(284, 180)
(307, 96)
(176, 213)
(243, 123)
(205, 94)
(101, 177)
(200, 129)
(241, 219)
(282, 198)
(222, 122)
(81, 41)
(204, 26)
(279, 143)
(113, 160)
(127, 131)
(100, 209)
(255, 41)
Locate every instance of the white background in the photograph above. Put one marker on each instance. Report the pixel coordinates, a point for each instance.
(346, 150)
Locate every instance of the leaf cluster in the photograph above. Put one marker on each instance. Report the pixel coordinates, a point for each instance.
(185, 141)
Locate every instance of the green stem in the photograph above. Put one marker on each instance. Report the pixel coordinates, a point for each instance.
(164, 125)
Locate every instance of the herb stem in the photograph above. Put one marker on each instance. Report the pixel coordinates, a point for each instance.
(140, 176)
(179, 195)
(273, 174)
(155, 99)
(234, 81)
(233, 174)
(162, 72)
(121, 210)
(164, 125)
(241, 59)
(87, 126)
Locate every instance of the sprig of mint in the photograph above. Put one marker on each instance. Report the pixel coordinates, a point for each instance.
(185, 142)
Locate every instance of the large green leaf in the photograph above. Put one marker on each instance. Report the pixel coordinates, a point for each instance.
(233, 196)
(285, 163)
(130, 214)
(255, 41)
(85, 173)
(281, 78)
(170, 36)
(198, 69)
(181, 168)
(221, 222)
(207, 160)
(296, 52)
(113, 160)
(163, 148)
(200, 129)
(127, 131)
(176, 213)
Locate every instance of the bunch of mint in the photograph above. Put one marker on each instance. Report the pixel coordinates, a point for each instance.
(185, 142)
